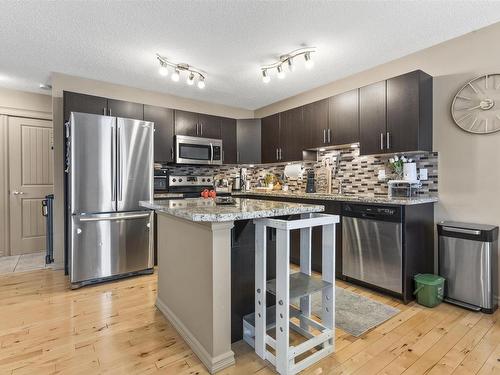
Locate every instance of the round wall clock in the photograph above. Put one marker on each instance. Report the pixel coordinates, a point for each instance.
(476, 106)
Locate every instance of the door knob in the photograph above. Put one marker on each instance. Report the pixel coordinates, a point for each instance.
(15, 192)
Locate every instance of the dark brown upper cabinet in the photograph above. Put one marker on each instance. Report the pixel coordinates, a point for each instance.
(121, 108)
(372, 118)
(76, 102)
(409, 112)
(209, 126)
(186, 123)
(270, 138)
(163, 119)
(343, 118)
(396, 115)
(293, 135)
(316, 122)
(228, 135)
(197, 124)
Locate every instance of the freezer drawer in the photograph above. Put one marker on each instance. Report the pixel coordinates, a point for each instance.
(372, 252)
(105, 245)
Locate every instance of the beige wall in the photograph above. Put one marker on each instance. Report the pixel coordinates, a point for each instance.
(22, 104)
(62, 82)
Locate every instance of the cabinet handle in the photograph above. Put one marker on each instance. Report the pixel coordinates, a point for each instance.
(324, 135)
(222, 155)
(281, 153)
(329, 133)
(237, 156)
(381, 141)
(171, 153)
(201, 129)
(110, 113)
(104, 111)
(277, 154)
(388, 140)
(197, 133)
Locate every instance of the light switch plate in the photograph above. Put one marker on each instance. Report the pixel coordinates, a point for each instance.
(423, 174)
(381, 174)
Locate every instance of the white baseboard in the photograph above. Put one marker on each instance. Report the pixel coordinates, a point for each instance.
(213, 364)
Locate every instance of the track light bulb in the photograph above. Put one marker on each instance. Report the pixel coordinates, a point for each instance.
(281, 73)
(190, 80)
(291, 65)
(201, 83)
(163, 69)
(265, 77)
(309, 62)
(176, 75)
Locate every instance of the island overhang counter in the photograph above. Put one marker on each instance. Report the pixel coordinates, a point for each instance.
(195, 248)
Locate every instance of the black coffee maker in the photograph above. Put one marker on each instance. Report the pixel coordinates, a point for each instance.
(310, 184)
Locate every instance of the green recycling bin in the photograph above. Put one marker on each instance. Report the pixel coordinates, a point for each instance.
(429, 289)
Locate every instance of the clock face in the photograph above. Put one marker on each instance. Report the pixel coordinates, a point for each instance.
(476, 107)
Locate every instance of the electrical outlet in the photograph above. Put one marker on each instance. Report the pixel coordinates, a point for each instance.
(423, 174)
(381, 174)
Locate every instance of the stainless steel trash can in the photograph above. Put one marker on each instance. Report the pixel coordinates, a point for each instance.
(468, 260)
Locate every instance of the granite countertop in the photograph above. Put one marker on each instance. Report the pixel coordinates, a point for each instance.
(205, 210)
(401, 201)
(167, 195)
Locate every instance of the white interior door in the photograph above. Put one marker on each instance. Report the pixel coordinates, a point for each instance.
(30, 180)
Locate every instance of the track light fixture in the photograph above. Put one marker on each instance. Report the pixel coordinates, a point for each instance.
(193, 73)
(288, 59)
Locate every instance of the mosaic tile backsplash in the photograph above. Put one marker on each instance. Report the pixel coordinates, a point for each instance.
(359, 174)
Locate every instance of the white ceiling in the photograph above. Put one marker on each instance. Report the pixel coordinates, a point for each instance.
(117, 41)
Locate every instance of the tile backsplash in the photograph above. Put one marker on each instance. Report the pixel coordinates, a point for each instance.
(359, 174)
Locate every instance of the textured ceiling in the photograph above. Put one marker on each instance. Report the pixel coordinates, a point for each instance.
(117, 41)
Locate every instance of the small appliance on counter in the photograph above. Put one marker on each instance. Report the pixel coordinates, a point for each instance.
(222, 186)
(403, 188)
(160, 180)
(237, 183)
(468, 260)
(310, 184)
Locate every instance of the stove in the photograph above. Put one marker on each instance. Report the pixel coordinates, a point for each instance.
(189, 186)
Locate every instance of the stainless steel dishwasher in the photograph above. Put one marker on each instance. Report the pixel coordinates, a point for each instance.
(372, 245)
(468, 260)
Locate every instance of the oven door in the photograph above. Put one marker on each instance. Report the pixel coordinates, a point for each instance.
(194, 150)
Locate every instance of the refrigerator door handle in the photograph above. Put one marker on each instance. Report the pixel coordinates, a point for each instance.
(113, 164)
(119, 163)
(113, 218)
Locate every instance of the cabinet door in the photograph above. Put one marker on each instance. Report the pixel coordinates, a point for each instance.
(372, 118)
(121, 108)
(248, 136)
(270, 138)
(344, 118)
(186, 123)
(164, 132)
(293, 135)
(209, 126)
(316, 122)
(75, 102)
(228, 135)
(409, 113)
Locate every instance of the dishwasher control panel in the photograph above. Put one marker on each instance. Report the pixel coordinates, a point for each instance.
(374, 212)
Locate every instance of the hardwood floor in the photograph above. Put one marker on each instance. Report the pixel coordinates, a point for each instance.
(114, 328)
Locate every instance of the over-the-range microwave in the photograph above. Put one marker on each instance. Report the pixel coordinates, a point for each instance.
(197, 150)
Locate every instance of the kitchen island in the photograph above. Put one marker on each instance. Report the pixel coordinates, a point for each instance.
(197, 255)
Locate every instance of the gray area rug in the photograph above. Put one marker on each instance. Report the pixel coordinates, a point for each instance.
(354, 314)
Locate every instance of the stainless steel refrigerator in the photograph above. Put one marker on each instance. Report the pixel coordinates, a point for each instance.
(110, 171)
